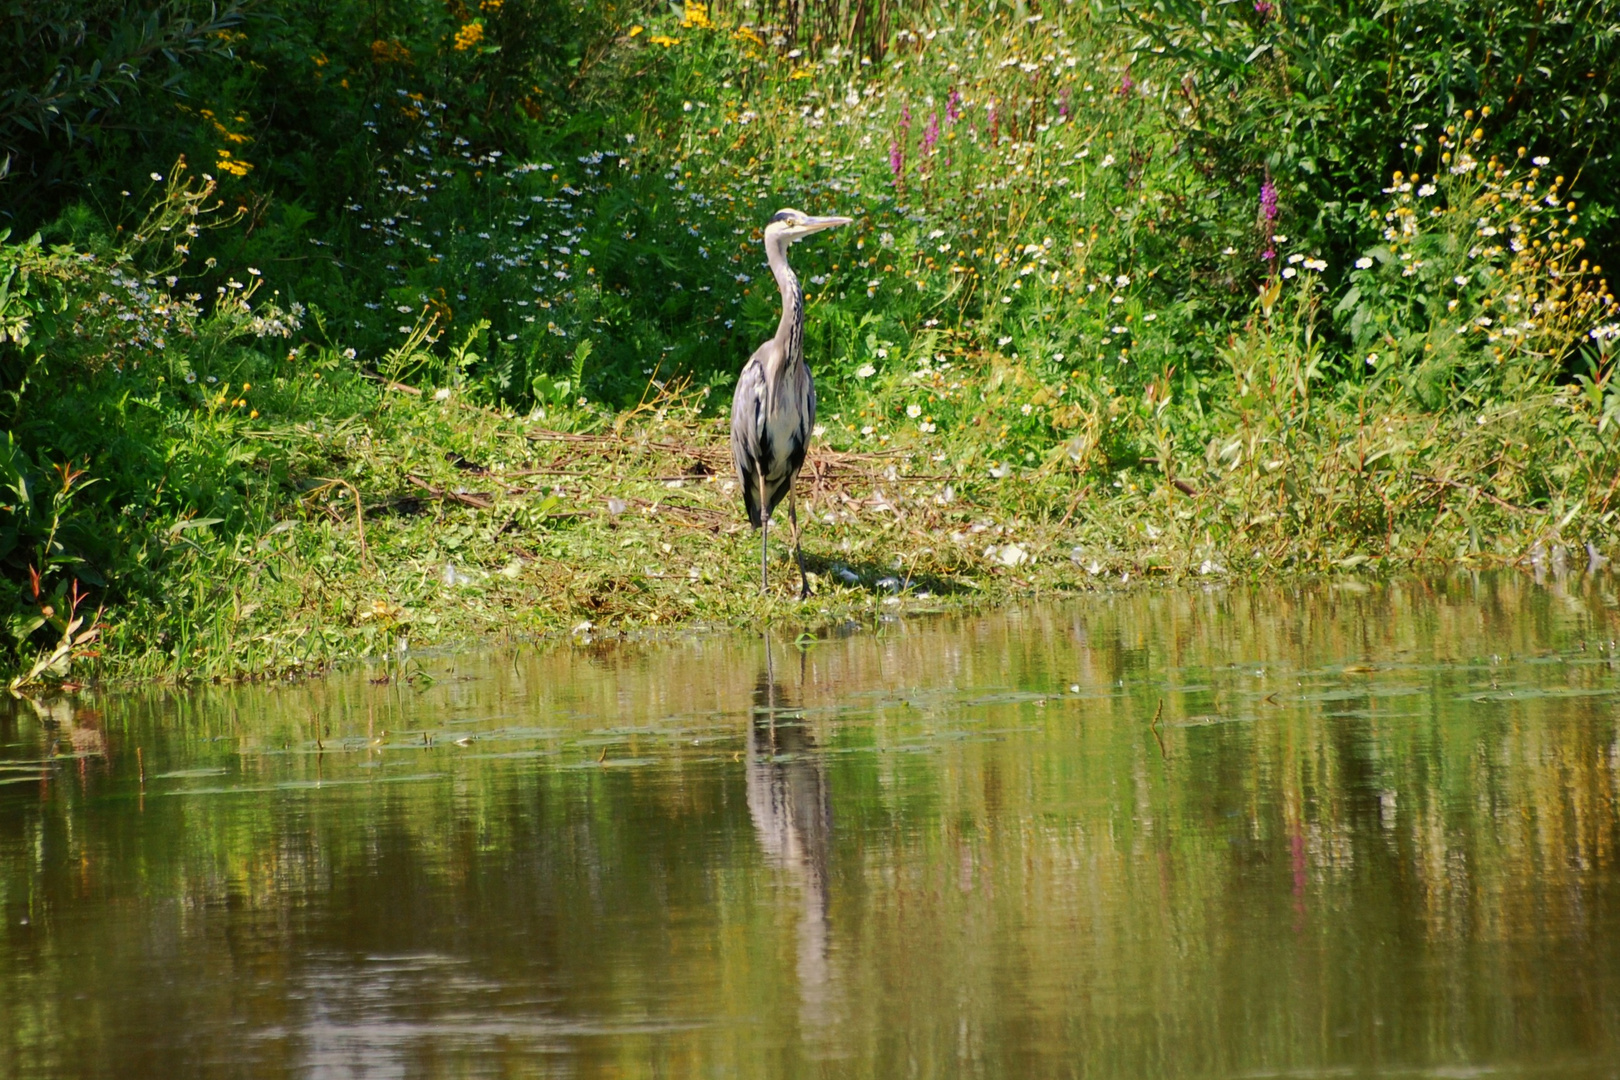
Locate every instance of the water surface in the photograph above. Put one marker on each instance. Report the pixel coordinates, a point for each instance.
(1338, 830)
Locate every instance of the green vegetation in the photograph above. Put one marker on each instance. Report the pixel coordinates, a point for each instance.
(323, 327)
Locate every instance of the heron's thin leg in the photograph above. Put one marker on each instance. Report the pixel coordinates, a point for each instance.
(793, 516)
(764, 538)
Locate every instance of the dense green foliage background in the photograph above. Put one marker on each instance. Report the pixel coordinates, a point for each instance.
(1145, 246)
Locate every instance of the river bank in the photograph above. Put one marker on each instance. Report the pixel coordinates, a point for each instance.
(478, 526)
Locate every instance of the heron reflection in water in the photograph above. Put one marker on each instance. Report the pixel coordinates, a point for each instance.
(792, 812)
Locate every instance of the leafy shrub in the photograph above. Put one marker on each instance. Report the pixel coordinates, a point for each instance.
(1326, 97)
(126, 405)
(86, 84)
(1480, 288)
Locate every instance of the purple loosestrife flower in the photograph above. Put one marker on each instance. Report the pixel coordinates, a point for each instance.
(1264, 8)
(897, 161)
(905, 119)
(953, 107)
(1268, 215)
(1063, 102)
(931, 134)
(1126, 85)
(1268, 203)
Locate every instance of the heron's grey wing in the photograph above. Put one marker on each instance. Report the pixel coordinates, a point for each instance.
(747, 434)
(787, 429)
(801, 445)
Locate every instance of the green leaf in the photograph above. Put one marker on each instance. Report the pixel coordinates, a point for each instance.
(192, 523)
(21, 625)
(14, 468)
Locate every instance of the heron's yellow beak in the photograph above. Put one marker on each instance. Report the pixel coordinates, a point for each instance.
(816, 224)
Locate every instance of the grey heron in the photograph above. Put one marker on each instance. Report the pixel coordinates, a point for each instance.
(774, 407)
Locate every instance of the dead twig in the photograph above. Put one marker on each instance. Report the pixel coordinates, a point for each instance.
(696, 515)
(390, 384)
(475, 499)
(1474, 489)
(1074, 504)
(1607, 495)
(327, 484)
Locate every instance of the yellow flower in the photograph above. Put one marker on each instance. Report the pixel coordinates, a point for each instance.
(802, 73)
(232, 165)
(695, 16)
(634, 30)
(664, 39)
(382, 610)
(469, 35)
(744, 33)
(389, 52)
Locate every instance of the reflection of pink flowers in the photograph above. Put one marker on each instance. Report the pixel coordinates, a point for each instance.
(931, 133)
(953, 107)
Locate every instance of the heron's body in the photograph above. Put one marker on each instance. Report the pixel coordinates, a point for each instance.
(772, 415)
(774, 408)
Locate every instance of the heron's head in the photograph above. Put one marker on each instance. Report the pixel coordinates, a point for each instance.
(787, 226)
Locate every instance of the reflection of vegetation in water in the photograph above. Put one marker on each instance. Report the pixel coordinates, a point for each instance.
(1382, 831)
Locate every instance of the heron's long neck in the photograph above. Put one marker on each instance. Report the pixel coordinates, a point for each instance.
(790, 331)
